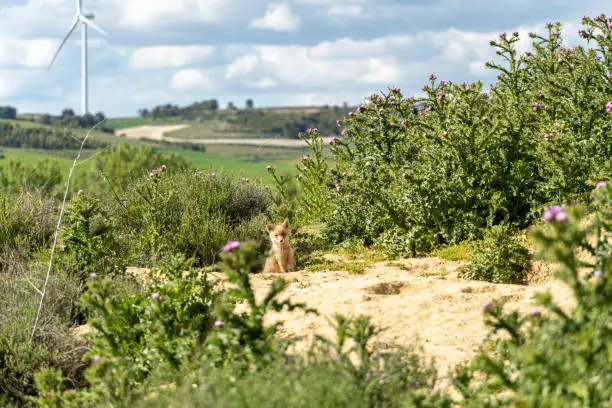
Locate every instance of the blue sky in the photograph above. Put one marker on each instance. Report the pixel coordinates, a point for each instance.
(285, 52)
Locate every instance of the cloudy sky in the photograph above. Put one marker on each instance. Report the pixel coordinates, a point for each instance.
(285, 52)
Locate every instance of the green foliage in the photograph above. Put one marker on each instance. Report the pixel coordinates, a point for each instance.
(53, 345)
(554, 357)
(122, 164)
(26, 225)
(186, 212)
(413, 174)
(15, 135)
(45, 177)
(499, 258)
(89, 244)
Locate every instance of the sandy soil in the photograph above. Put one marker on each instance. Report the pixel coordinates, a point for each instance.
(420, 302)
(149, 132)
(158, 133)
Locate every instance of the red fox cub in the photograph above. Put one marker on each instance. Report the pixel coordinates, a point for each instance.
(281, 258)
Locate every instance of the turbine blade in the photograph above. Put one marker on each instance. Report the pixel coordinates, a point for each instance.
(63, 42)
(90, 23)
(78, 6)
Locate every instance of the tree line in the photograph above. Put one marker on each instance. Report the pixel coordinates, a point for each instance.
(42, 138)
(267, 122)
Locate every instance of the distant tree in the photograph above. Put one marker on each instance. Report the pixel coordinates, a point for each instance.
(67, 113)
(8, 112)
(99, 117)
(144, 113)
(249, 103)
(87, 120)
(231, 106)
(45, 119)
(213, 105)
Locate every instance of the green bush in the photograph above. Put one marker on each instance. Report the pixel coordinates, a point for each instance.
(554, 357)
(53, 345)
(412, 174)
(186, 212)
(27, 223)
(115, 168)
(499, 258)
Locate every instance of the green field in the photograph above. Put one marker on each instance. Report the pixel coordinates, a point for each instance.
(122, 123)
(22, 123)
(235, 166)
(204, 161)
(212, 129)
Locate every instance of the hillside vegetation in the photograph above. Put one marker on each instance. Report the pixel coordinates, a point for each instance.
(496, 178)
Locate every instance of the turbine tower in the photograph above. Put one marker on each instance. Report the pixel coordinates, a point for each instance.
(85, 20)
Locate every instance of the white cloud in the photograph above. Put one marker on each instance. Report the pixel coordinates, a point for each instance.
(157, 57)
(278, 17)
(264, 83)
(148, 14)
(188, 79)
(26, 53)
(349, 11)
(242, 65)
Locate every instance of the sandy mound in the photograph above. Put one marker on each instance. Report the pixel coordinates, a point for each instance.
(149, 132)
(418, 301)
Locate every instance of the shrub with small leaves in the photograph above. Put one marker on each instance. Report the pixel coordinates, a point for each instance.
(554, 356)
(500, 257)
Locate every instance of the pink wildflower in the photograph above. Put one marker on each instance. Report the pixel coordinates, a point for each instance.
(230, 245)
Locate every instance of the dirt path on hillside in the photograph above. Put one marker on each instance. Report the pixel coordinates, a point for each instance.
(419, 302)
(149, 132)
(159, 133)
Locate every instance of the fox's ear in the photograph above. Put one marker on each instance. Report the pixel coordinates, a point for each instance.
(286, 222)
(270, 227)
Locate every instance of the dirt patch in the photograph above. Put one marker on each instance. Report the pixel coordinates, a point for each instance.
(438, 311)
(149, 132)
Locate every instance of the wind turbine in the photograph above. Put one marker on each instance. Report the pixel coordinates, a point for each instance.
(85, 20)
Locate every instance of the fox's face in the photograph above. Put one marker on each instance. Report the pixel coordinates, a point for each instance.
(279, 234)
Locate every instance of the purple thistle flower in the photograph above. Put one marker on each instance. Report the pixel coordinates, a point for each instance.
(432, 77)
(332, 140)
(546, 107)
(154, 172)
(597, 274)
(609, 106)
(403, 122)
(218, 323)
(445, 133)
(536, 107)
(163, 167)
(487, 305)
(81, 191)
(338, 122)
(535, 313)
(397, 90)
(350, 114)
(230, 246)
(337, 187)
(554, 213)
(93, 276)
(361, 108)
(304, 158)
(403, 175)
(547, 136)
(441, 96)
(155, 296)
(599, 185)
(95, 359)
(309, 130)
(540, 93)
(484, 118)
